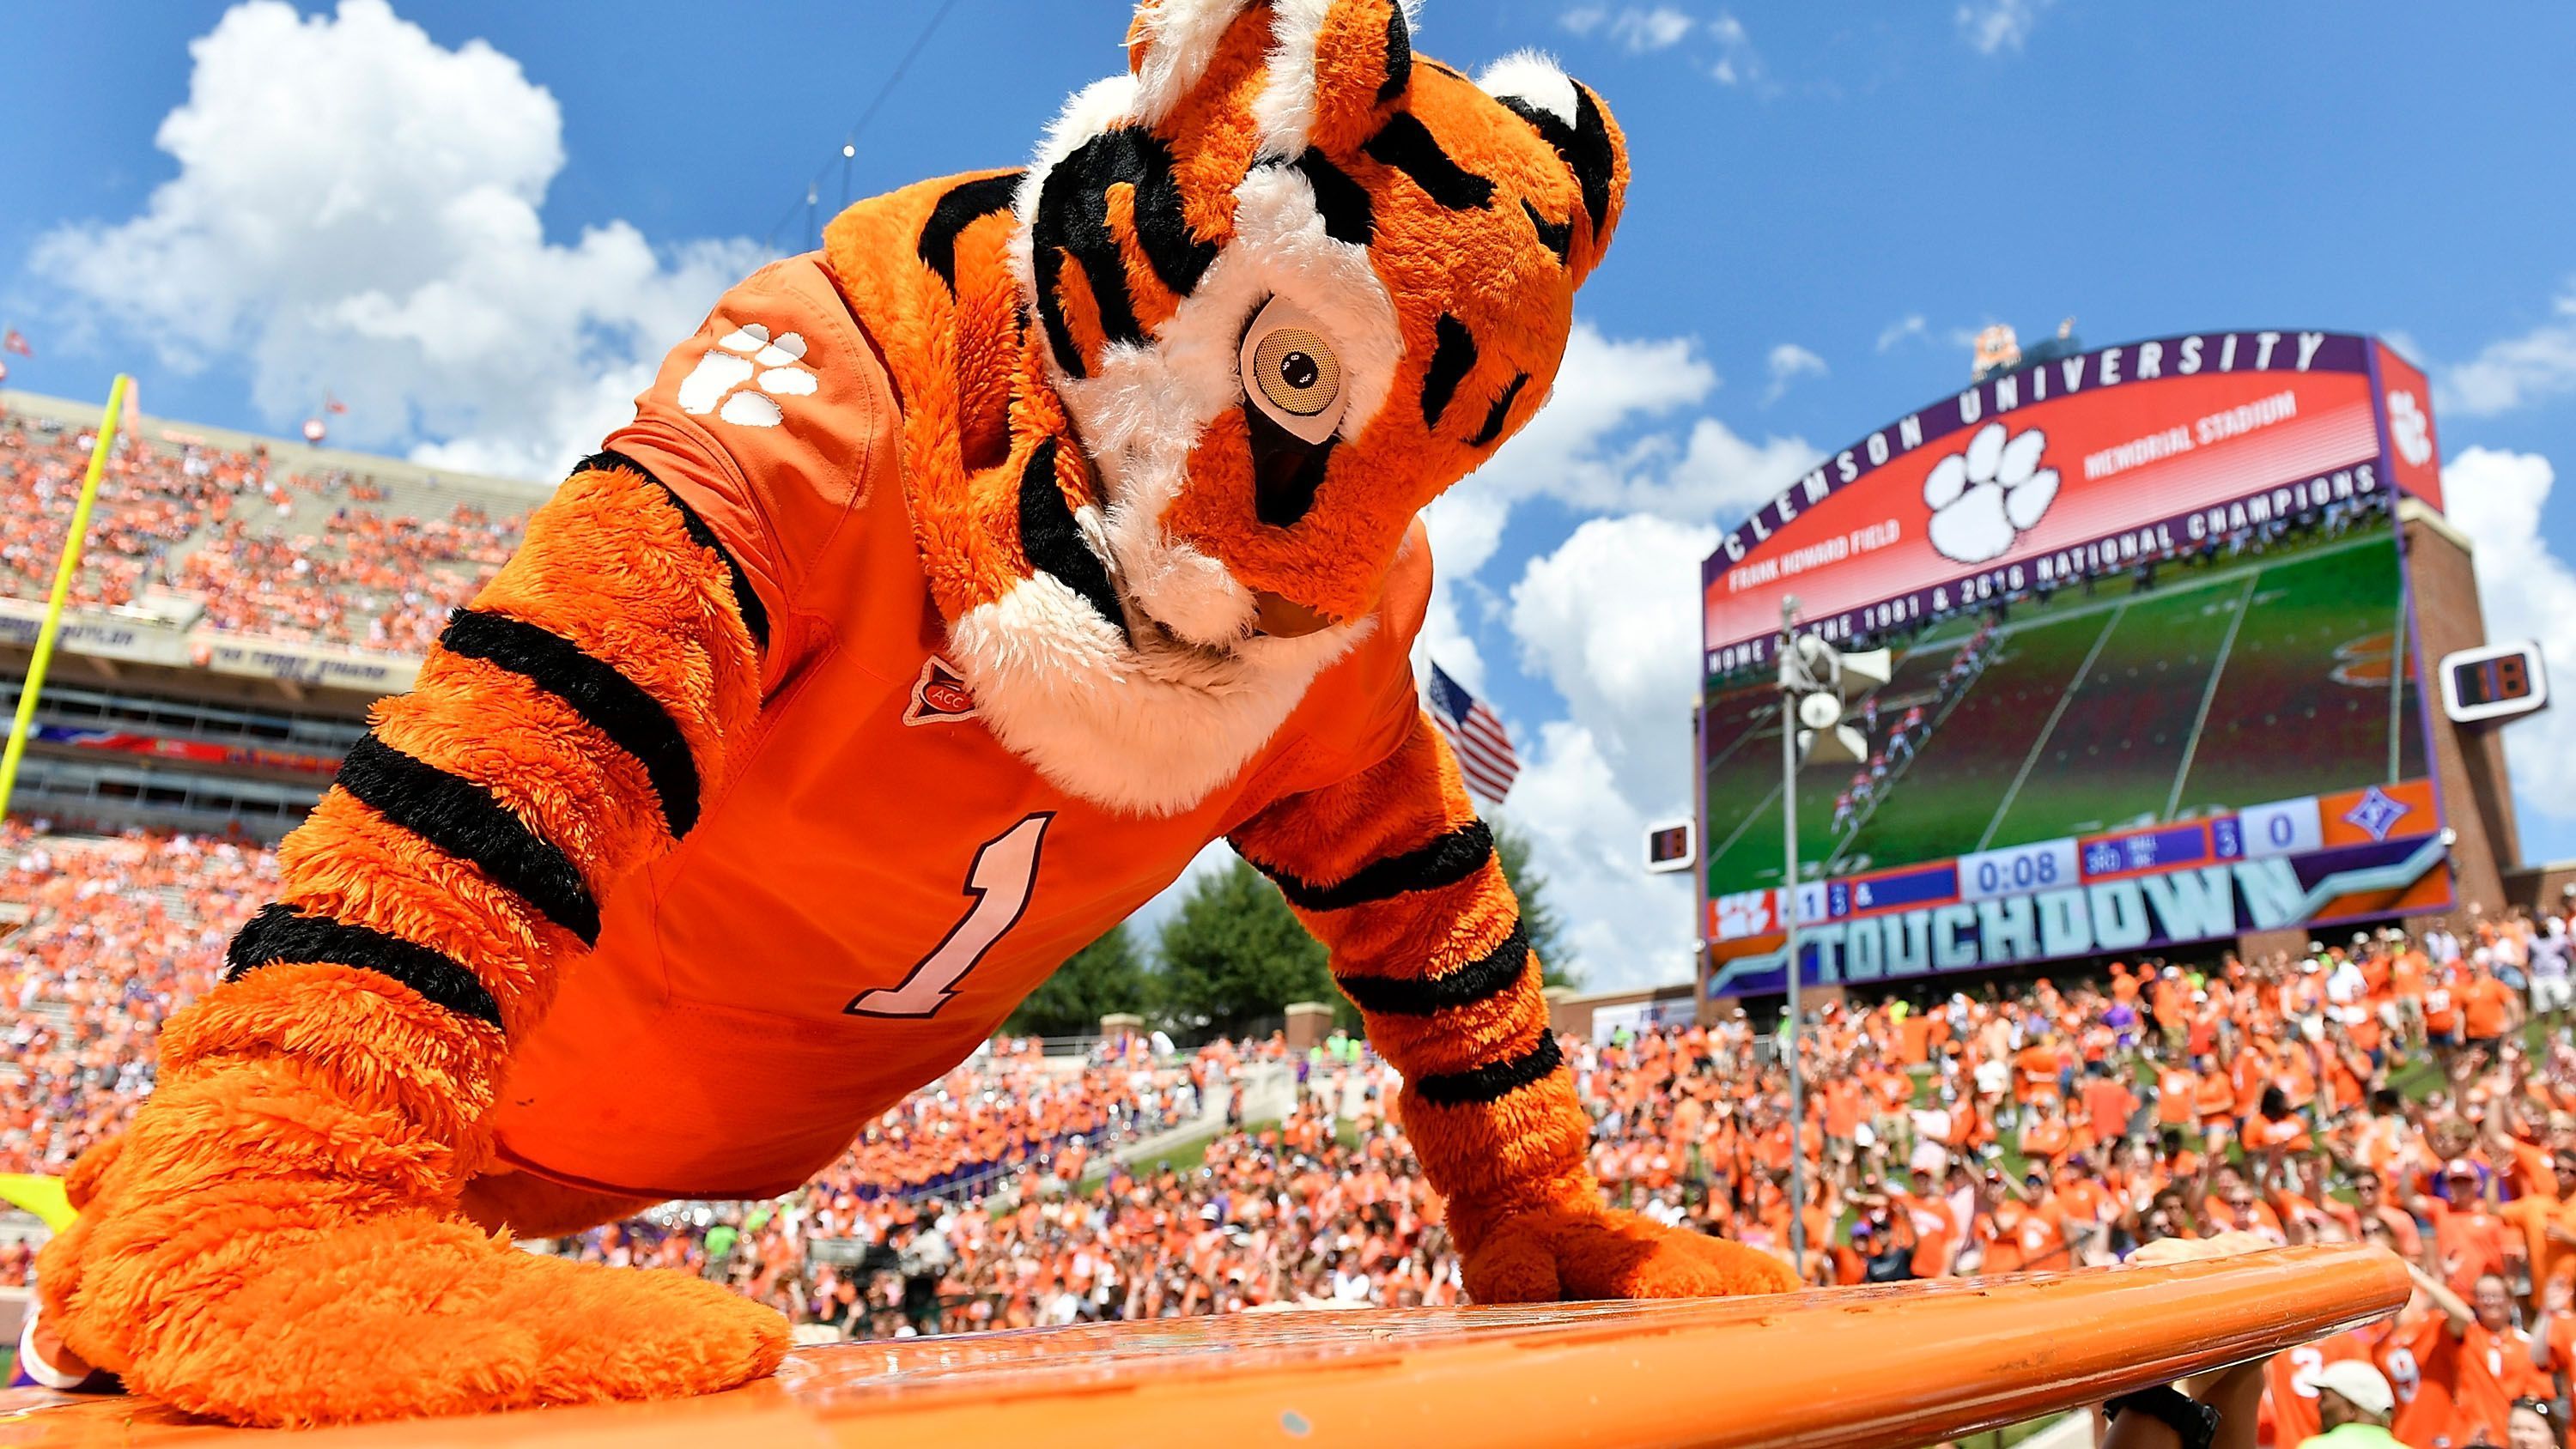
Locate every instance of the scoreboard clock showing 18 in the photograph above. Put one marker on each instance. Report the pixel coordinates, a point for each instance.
(2152, 674)
(2496, 681)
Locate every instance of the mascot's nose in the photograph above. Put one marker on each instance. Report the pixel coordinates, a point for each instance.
(1284, 618)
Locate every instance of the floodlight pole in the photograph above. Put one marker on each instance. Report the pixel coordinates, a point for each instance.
(1789, 929)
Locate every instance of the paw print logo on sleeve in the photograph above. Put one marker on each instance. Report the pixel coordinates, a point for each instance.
(1984, 499)
(744, 375)
(2407, 425)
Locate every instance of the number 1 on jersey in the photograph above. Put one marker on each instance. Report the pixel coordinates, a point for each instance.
(1005, 868)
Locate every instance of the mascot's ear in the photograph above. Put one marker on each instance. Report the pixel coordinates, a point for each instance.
(1574, 121)
(1332, 66)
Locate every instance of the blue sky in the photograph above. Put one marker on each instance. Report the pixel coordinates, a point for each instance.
(477, 222)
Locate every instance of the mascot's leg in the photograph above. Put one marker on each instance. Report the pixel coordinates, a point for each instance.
(532, 1207)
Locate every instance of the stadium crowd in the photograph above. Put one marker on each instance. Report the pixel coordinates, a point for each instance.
(2417, 1091)
(221, 524)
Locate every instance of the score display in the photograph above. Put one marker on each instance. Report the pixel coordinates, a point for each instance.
(1671, 846)
(2493, 682)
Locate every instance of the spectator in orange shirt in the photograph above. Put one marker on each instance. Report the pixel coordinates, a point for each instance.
(2488, 1010)
(2446, 1395)
(2233, 1206)
(2036, 1069)
(2276, 1127)
(2045, 1135)
(2548, 1223)
(2442, 1014)
(2469, 1240)
(2511, 1356)
(2108, 1104)
(2371, 1206)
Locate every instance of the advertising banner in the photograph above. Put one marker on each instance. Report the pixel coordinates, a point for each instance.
(136, 637)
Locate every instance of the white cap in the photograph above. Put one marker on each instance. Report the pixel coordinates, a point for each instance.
(2360, 1384)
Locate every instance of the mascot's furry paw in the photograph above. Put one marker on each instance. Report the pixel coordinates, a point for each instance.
(1567, 1254)
(289, 1299)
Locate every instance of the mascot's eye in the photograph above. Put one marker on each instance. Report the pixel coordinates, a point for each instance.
(1291, 373)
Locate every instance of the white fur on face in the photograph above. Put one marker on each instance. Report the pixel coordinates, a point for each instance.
(1145, 731)
(1182, 37)
(1534, 77)
(1284, 112)
(1144, 408)
(1100, 107)
(1152, 726)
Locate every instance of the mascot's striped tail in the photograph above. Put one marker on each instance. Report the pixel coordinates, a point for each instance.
(1393, 871)
(277, 1239)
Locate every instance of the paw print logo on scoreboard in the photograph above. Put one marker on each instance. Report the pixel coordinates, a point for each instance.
(744, 375)
(1985, 498)
(2409, 428)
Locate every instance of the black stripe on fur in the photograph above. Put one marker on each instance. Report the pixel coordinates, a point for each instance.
(1054, 543)
(1399, 54)
(1286, 469)
(1482, 979)
(1073, 221)
(281, 934)
(1495, 415)
(615, 704)
(746, 600)
(462, 819)
(1343, 203)
(1444, 860)
(1558, 238)
(960, 207)
(1584, 147)
(1408, 145)
(1452, 354)
(1480, 1086)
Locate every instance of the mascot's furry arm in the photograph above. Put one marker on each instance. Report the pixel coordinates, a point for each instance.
(277, 1239)
(1395, 873)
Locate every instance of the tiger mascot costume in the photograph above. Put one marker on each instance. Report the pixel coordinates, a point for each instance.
(950, 591)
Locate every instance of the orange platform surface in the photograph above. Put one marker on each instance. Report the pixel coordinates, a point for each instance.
(1873, 1368)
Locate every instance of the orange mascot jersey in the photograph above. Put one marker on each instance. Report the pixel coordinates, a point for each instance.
(879, 882)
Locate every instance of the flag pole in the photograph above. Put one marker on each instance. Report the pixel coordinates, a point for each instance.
(63, 571)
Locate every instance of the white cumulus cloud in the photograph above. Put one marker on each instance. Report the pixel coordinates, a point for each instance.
(2527, 592)
(357, 209)
(2505, 375)
(1993, 25)
(1639, 28)
(1787, 363)
(1738, 63)
(1910, 325)
(1609, 620)
(1601, 445)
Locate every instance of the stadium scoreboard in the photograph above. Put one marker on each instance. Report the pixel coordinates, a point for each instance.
(2155, 673)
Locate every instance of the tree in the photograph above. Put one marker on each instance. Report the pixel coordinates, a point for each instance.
(1233, 954)
(1102, 977)
(1539, 917)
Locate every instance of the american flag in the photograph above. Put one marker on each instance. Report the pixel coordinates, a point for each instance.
(1484, 751)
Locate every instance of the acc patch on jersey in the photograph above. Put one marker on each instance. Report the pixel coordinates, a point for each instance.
(939, 695)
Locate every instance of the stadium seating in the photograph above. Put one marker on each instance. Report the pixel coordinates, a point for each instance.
(2380, 1091)
(323, 556)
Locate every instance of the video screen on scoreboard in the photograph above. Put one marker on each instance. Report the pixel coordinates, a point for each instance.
(2152, 669)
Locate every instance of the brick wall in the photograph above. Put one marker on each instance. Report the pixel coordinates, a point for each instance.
(2468, 760)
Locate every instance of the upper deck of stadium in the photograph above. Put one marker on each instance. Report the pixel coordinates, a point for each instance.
(240, 602)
